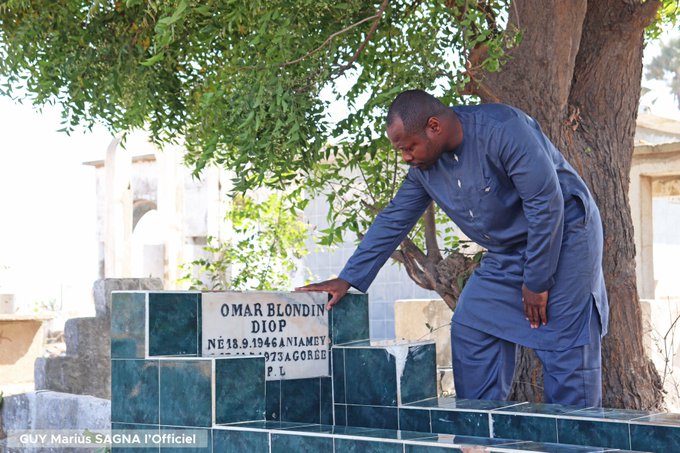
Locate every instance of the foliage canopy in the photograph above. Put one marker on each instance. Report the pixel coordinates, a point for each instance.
(287, 94)
(258, 87)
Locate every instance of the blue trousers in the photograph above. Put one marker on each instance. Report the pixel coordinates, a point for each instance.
(484, 366)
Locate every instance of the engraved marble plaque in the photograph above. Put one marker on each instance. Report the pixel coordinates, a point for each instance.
(289, 329)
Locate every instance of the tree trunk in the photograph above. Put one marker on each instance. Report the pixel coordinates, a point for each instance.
(578, 71)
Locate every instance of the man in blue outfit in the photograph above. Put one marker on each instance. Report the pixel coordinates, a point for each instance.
(540, 283)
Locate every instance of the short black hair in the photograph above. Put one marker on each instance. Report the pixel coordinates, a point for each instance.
(414, 108)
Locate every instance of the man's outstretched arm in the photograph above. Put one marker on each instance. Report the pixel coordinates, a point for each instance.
(389, 228)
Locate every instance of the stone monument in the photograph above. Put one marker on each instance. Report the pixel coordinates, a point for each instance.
(85, 368)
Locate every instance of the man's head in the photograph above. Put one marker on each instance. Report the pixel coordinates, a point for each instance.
(419, 126)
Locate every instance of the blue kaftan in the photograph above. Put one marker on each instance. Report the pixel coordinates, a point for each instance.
(510, 190)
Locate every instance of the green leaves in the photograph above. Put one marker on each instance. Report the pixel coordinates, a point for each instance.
(276, 92)
(667, 16)
(177, 14)
(268, 240)
(153, 60)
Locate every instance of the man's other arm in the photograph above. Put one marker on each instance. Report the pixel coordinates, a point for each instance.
(527, 160)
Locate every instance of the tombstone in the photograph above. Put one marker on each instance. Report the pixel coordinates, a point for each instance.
(271, 372)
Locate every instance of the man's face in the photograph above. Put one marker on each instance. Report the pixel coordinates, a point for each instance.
(417, 149)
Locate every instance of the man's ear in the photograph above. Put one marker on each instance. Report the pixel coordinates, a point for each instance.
(434, 125)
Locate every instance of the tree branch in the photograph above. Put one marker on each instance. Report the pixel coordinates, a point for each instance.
(647, 12)
(334, 35)
(415, 271)
(397, 256)
(427, 268)
(394, 174)
(431, 245)
(363, 45)
(375, 18)
(410, 248)
(368, 186)
(450, 301)
(478, 88)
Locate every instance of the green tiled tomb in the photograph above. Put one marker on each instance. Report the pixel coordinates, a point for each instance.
(371, 397)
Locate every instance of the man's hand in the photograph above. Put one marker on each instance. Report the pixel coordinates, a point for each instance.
(335, 287)
(535, 307)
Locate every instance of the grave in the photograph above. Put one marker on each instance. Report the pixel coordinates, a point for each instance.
(276, 372)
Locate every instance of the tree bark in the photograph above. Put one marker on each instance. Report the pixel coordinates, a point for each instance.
(578, 71)
(430, 270)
